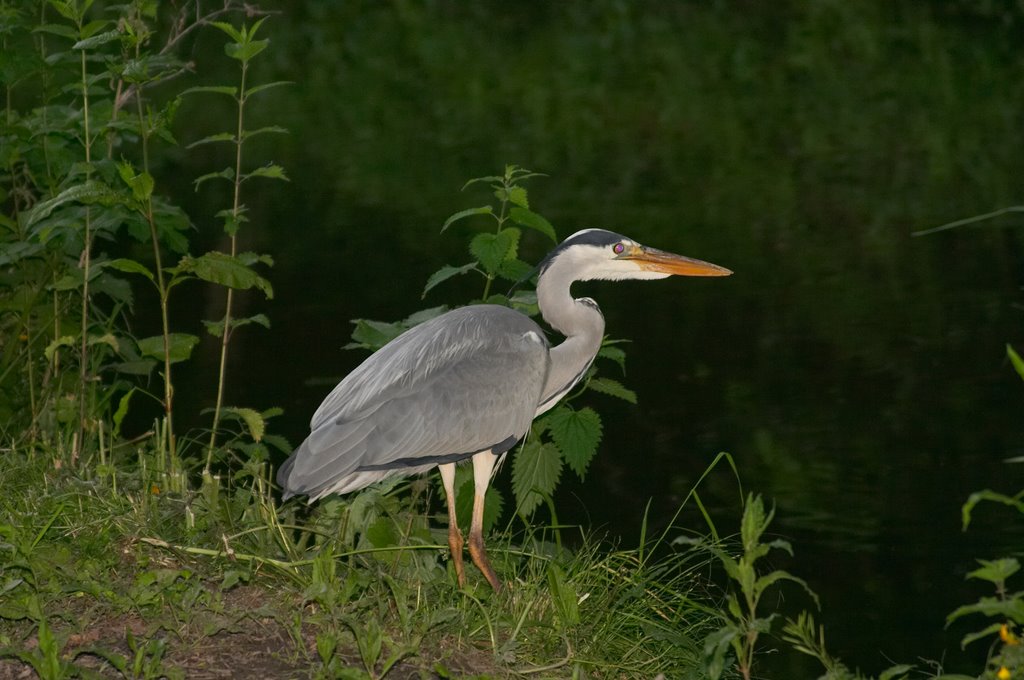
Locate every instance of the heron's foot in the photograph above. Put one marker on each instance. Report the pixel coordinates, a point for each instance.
(455, 545)
(479, 555)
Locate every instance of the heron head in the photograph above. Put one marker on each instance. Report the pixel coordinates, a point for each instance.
(601, 254)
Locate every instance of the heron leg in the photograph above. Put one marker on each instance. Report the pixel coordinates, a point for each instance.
(454, 535)
(483, 465)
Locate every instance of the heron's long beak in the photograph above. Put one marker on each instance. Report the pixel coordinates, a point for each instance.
(670, 263)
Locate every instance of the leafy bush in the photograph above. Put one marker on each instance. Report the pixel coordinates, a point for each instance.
(82, 209)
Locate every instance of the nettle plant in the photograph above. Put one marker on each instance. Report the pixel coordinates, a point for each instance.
(82, 209)
(569, 434)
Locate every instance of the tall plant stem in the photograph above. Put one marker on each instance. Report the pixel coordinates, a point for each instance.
(235, 216)
(86, 270)
(502, 216)
(161, 286)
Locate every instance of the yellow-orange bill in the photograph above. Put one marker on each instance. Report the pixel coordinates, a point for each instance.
(670, 263)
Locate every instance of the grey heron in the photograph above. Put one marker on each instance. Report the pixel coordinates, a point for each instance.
(467, 384)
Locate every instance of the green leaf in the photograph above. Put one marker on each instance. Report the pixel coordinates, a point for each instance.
(716, 646)
(535, 472)
(93, 27)
(444, 273)
(992, 496)
(57, 29)
(270, 170)
(229, 90)
(617, 355)
(278, 442)
(252, 418)
(517, 195)
(525, 301)
(225, 270)
(266, 86)
(226, 173)
(250, 258)
(270, 129)
(107, 339)
(490, 179)
(181, 346)
(564, 596)
(613, 388)
(136, 367)
(123, 264)
(995, 571)
(988, 631)
(754, 522)
(50, 665)
(527, 218)
(62, 341)
(232, 578)
(214, 139)
(513, 269)
(894, 672)
(382, 533)
(232, 32)
(243, 52)
(216, 328)
(86, 193)
(373, 335)
(72, 280)
(1015, 359)
(490, 250)
(577, 434)
(233, 219)
(122, 411)
(141, 183)
(326, 643)
(762, 583)
(462, 214)
(1012, 609)
(97, 40)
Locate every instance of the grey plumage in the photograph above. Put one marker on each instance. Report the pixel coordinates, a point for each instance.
(461, 383)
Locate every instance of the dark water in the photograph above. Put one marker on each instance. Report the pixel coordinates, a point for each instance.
(856, 373)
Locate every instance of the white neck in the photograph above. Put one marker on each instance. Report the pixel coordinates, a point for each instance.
(579, 320)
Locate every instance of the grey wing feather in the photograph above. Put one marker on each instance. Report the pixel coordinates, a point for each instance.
(453, 386)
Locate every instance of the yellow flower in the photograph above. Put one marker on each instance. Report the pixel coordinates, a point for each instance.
(1007, 636)
(1004, 673)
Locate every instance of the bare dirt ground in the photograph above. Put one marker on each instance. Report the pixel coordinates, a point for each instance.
(243, 639)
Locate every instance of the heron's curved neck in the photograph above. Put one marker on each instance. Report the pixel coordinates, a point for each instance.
(579, 320)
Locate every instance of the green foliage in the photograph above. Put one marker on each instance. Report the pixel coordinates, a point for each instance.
(178, 346)
(234, 269)
(576, 435)
(1018, 363)
(355, 589)
(743, 621)
(536, 468)
(1005, 609)
(81, 130)
(806, 638)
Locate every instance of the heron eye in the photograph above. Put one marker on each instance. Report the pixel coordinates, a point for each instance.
(618, 248)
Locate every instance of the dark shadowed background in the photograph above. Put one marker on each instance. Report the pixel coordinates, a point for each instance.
(856, 373)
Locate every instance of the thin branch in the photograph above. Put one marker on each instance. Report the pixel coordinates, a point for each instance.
(180, 29)
(970, 220)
